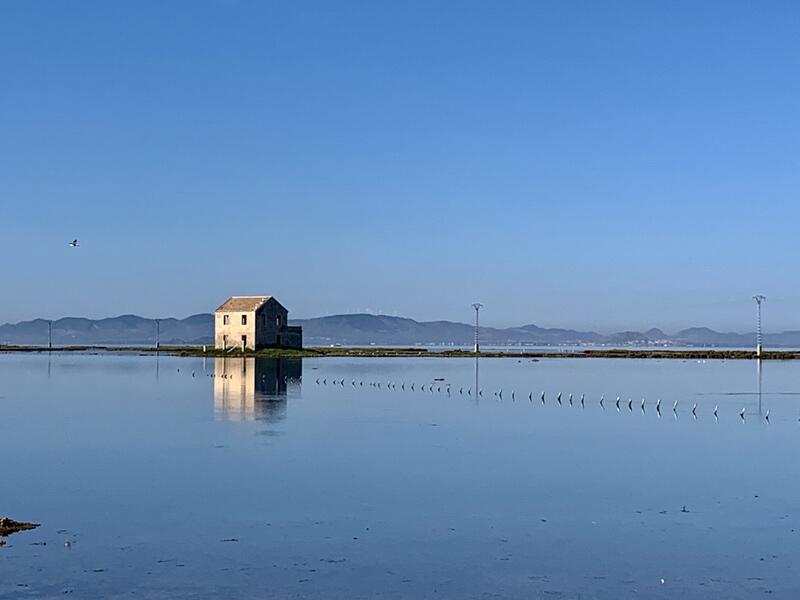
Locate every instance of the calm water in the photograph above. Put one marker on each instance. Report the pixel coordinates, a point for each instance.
(152, 483)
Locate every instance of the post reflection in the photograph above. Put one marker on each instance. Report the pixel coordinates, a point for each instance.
(477, 383)
(247, 389)
(759, 375)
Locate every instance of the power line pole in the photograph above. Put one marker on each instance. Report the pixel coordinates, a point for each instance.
(759, 299)
(477, 306)
(49, 335)
(158, 334)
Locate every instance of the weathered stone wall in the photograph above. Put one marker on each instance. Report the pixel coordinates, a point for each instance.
(268, 329)
(292, 337)
(234, 330)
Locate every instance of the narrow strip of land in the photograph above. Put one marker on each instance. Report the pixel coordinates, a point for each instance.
(316, 352)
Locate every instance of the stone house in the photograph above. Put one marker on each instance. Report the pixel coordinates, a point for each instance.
(254, 322)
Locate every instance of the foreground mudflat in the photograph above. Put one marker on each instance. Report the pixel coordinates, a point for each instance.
(179, 477)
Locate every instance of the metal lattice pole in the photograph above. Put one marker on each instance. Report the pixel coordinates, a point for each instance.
(477, 306)
(759, 299)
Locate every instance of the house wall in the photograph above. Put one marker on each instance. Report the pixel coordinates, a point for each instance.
(267, 324)
(234, 329)
(292, 337)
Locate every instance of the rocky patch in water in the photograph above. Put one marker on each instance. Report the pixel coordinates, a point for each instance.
(9, 526)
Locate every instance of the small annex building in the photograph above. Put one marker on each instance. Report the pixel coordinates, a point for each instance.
(253, 323)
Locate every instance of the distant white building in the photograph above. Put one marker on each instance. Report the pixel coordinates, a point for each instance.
(254, 322)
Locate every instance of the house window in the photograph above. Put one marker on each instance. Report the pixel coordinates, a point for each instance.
(244, 319)
(226, 319)
(278, 321)
(224, 341)
(244, 341)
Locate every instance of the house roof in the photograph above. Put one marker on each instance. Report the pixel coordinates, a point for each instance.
(244, 303)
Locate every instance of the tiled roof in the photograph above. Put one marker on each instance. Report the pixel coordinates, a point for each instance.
(243, 303)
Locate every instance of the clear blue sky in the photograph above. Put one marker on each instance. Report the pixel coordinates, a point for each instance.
(581, 164)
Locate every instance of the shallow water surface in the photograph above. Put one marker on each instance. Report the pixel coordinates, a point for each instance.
(330, 478)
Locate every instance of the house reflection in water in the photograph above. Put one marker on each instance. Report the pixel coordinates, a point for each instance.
(246, 389)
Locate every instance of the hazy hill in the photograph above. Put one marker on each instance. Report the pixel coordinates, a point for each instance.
(125, 329)
(365, 329)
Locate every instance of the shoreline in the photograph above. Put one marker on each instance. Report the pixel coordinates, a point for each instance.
(378, 352)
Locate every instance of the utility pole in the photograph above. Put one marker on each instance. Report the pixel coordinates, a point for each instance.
(158, 334)
(477, 306)
(49, 335)
(759, 299)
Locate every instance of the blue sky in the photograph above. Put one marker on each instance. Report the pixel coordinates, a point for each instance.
(581, 164)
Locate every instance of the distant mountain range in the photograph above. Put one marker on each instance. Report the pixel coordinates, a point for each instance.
(366, 329)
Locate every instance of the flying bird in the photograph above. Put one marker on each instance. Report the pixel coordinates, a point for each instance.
(73, 244)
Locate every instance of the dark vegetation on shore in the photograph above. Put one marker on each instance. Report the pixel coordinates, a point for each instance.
(374, 351)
